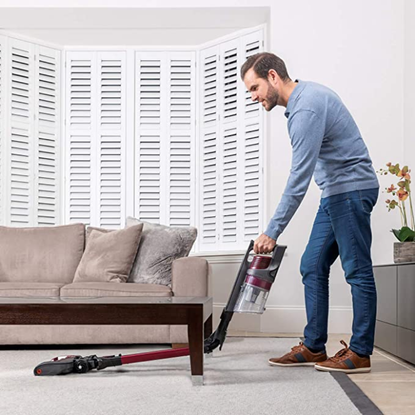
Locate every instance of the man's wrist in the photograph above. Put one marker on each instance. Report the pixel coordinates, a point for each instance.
(273, 234)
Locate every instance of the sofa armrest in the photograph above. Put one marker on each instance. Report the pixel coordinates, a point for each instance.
(190, 277)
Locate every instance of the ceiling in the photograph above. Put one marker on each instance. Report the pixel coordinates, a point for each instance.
(129, 26)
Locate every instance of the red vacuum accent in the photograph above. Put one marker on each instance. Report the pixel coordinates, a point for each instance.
(259, 262)
(251, 280)
(157, 355)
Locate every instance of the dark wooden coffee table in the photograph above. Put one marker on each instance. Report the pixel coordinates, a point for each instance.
(195, 312)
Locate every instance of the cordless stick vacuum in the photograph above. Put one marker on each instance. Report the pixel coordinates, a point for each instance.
(249, 295)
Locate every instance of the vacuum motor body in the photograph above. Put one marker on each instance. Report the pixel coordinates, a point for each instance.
(257, 284)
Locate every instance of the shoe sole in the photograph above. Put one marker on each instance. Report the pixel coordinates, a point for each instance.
(331, 369)
(292, 364)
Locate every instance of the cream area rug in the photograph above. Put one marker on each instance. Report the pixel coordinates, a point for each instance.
(237, 380)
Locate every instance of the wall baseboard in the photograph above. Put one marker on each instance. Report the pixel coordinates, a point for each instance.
(285, 319)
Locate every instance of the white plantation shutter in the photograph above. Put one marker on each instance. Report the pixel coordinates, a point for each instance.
(80, 125)
(253, 138)
(47, 157)
(208, 148)
(251, 45)
(149, 133)
(3, 118)
(165, 138)
(21, 149)
(29, 145)
(111, 127)
(230, 148)
(230, 118)
(252, 193)
(181, 139)
(96, 129)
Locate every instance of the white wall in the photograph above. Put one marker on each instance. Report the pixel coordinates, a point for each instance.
(68, 26)
(409, 85)
(357, 48)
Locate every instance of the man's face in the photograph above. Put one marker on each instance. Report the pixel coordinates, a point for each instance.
(261, 90)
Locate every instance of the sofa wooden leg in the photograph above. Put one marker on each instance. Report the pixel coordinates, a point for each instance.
(179, 345)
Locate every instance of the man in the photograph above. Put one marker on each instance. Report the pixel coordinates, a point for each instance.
(326, 143)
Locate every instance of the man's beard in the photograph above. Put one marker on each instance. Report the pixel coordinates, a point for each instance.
(271, 98)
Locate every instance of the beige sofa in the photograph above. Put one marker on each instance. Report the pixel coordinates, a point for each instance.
(45, 267)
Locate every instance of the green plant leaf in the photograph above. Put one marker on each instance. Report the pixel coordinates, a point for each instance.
(396, 233)
(406, 234)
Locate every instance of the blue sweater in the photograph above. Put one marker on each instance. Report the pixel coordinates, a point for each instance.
(325, 142)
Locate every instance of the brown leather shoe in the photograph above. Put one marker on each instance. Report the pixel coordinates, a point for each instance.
(346, 361)
(299, 356)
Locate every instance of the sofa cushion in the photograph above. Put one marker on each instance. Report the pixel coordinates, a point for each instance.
(41, 254)
(29, 289)
(109, 257)
(89, 229)
(105, 289)
(160, 246)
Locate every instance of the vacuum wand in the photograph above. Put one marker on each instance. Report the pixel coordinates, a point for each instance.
(77, 364)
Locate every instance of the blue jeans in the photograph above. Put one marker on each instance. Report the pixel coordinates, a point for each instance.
(341, 227)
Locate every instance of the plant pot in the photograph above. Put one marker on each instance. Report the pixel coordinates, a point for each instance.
(404, 252)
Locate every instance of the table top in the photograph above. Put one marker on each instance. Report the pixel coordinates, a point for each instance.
(107, 300)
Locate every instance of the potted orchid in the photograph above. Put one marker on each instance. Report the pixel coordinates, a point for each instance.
(404, 250)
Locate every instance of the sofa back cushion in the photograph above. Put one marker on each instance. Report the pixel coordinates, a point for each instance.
(160, 246)
(109, 256)
(41, 254)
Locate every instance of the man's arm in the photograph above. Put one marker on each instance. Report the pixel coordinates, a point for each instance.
(306, 130)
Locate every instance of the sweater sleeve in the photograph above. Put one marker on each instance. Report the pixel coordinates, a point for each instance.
(306, 130)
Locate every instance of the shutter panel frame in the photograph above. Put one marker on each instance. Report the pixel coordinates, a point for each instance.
(111, 135)
(3, 125)
(209, 218)
(181, 139)
(47, 135)
(20, 133)
(150, 110)
(80, 137)
(237, 131)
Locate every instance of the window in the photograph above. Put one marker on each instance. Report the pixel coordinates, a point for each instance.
(169, 137)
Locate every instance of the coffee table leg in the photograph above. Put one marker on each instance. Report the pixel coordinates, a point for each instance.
(195, 334)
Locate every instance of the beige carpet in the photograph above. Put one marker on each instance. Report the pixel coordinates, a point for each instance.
(238, 380)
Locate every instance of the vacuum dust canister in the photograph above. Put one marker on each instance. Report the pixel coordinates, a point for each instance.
(255, 289)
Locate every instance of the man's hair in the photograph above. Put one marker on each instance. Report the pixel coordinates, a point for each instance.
(262, 63)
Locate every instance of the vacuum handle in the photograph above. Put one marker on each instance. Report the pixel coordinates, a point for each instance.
(270, 272)
(277, 256)
(109, 361)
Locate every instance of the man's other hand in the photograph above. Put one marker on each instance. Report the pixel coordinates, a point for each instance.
(264, 244)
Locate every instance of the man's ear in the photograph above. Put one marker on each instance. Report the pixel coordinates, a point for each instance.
(273, 77)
